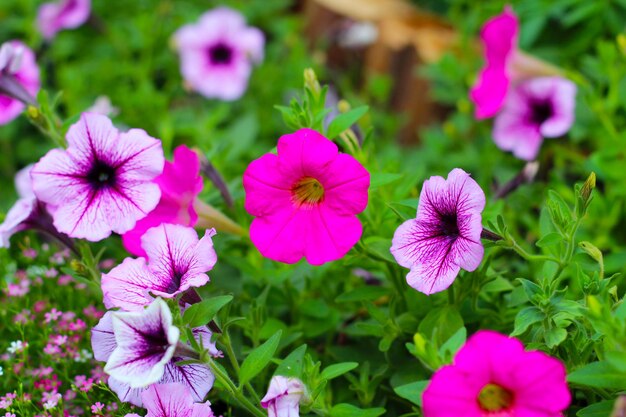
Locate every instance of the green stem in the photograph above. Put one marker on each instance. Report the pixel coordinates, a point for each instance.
(239, 396)
(529, 257)
(233, 361)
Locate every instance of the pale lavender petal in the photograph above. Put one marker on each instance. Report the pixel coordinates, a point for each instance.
(563, 105)
(146, 342)
(102, 339)
(128, 285)
(23, 182)
(429, 278)
(468, 247)
(283, 397)
(511, 132)
(167, 400)
(197, 377)
(65, 14)
(15, 218)
(125, 393)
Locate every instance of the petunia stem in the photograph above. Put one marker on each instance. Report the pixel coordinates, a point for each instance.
(233, 361)
(228, 384)
(529, 257)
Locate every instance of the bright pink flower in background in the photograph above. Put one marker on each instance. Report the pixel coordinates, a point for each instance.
(535, 109)
(218, 52)
(102, 182)
(305, 200)
(445, 235)
(18, 70)
(499, 36)
(197, 378)
(180, 184)
(64, 14)
(491, 376)
(173, 400)
(283, 397)
(177, 261)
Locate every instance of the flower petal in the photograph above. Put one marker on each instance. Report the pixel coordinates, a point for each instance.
(102, 338)
(129, 284)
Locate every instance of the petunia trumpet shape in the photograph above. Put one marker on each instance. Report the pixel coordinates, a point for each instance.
(197, 378)
(173, 400)
(492, 375)
(102, 182)
(305, 200)
(177, 261)
(535, 109)
(19, 79)
(505, 64)
(445, 235)
(64, 14)
(283, 397)
(218, 52)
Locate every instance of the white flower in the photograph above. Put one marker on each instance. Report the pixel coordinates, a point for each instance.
(16, 346)
(1, 371)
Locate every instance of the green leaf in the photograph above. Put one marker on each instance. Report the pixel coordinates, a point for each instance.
(338, 369)
(454, 343)
(598, 375)
(345, 120)
(292, 364)
(203, 312)
(378, 179)
(365, 293)
(412, 392)
(525, 318)
(601, 409)
(348, 410)
(258, 358)
(555, 336)
(550, 240)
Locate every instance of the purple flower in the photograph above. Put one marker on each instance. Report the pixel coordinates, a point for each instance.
(197, 378)
(177, 261)
(217, 53)
(535, 109)
(65, 14)
(445, 235)
(19, 78)
(102, 182)
(173, 400)
(283, 397)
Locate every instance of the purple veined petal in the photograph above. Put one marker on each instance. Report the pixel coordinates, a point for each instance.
(102, 338)
(125, 393)
(283, 397)
(23, 182)
(128, 285)
(177, 258)
(146, 342)
(167, 400)
(197, 377)
(468, 247)
(433, 277)
(15, 218)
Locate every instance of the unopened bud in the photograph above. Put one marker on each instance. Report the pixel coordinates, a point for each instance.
(343, 106)
(594, 306)
(311, 83)
(592, 251)
(587, 188)
(420, 343)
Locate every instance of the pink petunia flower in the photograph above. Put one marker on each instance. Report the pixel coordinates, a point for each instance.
(445, 235)
(283, 397)
(173, 400)
(26, 212)
(19, 76)
(64, 14)
(505, 64)
(305, 200)
(492, 375)
(180, 183)
(197, 378)
(102, 182)
(535, 109)
(177, 261)
(217, 53)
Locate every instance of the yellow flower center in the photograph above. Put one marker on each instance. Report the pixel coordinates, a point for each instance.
(307, 192)
(494, 398)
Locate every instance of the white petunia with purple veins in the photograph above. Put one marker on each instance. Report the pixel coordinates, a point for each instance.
(283, 397)
(535, 109)
(198, 378)
(445, 235)
(177, 261)
(102, 182)
(217, 53)
(146, 342)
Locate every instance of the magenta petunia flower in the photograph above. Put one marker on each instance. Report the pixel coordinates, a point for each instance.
(180, 183)
(492, 375)
(197, 378)
(102, 182)
(535, 109)
(19, 76)
(305, 199)
(445, 235)
(173, 400)
(177, 261)
(283, 397)
(218, 52)
(499, 37)
(64, 14)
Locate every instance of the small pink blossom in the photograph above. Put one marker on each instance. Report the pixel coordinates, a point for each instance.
(305, 200)
(17, 64)
(217, 53)
(535, 109)
(491, 376)
(445, 235)
(97, 408)
(180, 183)
(64, 14)
(65, 280)
(39, 306)
(102, 183)
(53, 315)
(283, 397)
